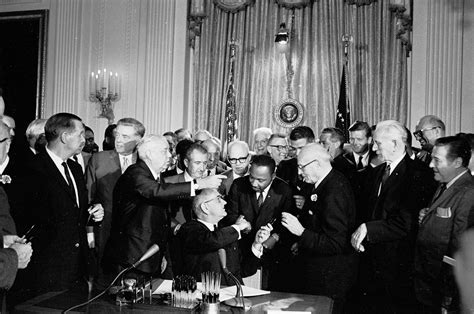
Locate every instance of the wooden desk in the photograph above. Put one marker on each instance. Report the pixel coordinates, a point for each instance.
(55, 302)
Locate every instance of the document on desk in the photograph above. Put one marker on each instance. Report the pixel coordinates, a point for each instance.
(225, 293)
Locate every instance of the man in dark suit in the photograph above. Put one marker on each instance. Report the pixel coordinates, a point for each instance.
(200, 240)
(105, 168)
(442, 223)
(181, 149)
(215, 165)
(396, 191)
(140, 217)
(261, 197)
(238, 155)
(59, 207)
(288, 169)
(328, 264)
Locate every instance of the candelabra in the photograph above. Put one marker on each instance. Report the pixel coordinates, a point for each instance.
(105, 90)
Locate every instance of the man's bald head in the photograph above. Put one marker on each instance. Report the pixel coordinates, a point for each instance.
(314, 162)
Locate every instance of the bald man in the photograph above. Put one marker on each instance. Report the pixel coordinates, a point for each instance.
(328, 264)
(238, 155)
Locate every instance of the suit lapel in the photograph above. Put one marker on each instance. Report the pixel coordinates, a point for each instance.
(448, 192)
(53, 171)
(115, 158)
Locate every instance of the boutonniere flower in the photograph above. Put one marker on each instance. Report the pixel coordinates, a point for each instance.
(314, 197)
(5, 178)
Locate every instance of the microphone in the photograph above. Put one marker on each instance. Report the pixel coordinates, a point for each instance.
(239, 300)
(149, 253)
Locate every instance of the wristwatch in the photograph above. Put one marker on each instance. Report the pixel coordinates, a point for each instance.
(196, 185)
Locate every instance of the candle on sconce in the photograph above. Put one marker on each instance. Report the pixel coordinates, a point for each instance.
(116, 83)
(96, 83)
(104, 79)
(92, 84)
(110, 83)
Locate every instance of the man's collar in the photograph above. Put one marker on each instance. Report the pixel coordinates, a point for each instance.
(187, 177)
(325, 174)
(155, 175)
(209, 225)
(455, 178)
(395, 163)
(4, 165)
(54, 157)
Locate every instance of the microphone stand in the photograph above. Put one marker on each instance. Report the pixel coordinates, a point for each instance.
(238, 300)
(150, 252)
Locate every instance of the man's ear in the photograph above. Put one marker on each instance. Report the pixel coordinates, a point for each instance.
(369, 140)
(204, 208)
(457, 162)
(63, 137)
(186, 162)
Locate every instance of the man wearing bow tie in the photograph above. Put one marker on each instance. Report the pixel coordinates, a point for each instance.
(327, 262)
(442, 223)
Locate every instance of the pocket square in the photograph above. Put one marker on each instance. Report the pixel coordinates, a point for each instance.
(443, 212)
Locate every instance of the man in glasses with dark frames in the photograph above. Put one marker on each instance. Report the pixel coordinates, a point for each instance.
(238, 155)
(428, 129)
(278, 147)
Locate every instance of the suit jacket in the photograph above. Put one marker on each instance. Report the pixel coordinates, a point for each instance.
(392, 216)
(140, 218)
(8, 268)
(102, 173)
(199, 248)
(439, 234)
(60, 239)
(329, 264)
(7, 225)
(287, 170)
(169, 173)
(185, 204)
(224, 188)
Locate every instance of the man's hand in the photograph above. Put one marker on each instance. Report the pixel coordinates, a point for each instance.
(263, 233)
(243, 224)
(358, 236)
(292, 223)
(422, 214)
(299, 201)
(294, 249)
(210, 182)
(8, 240)
(24, 252)
(97, 212)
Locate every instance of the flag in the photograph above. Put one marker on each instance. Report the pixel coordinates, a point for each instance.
(230, 106)
(343, 119)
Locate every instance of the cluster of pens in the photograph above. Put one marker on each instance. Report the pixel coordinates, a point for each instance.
(211, 285)
(183, 292)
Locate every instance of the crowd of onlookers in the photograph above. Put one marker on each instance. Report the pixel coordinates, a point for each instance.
(363, 217)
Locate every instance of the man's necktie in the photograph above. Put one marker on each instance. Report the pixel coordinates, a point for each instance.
(125, 164)
(441, 189)
(69, 180)
(385, 176)
(360, 165)
(260, 200)
(75, 158)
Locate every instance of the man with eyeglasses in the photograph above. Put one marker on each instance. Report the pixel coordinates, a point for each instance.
(428, 129)
(238, 155)
(201, 239)
(278, 147)
(326, 263)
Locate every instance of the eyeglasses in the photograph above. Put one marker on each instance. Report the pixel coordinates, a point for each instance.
(301, 167)
(280, 148)
(218, 198)
(6, 138)
(419, 134)
(241, 160)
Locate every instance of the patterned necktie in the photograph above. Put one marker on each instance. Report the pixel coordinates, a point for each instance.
(360, 165)
(260, 200)
(442, 188)
(69, 180)
(125, 164)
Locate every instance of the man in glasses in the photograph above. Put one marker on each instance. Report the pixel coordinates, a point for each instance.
(201, 239)
(428, 130)
(326, 263)
(238, 155)
(278, 147)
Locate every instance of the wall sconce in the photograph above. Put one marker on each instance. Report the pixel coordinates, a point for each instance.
(283, 35)
(105, 88)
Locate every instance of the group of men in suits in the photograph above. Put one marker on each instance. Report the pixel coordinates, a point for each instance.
(332, 218)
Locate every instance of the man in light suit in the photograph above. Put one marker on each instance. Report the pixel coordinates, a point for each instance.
(238, 155)
(327, 263)
(140, 216)
(442, 224)
(396, 191)
(104, 169)
(59, 207)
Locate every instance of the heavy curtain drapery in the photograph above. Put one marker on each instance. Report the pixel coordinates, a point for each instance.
(377, 85)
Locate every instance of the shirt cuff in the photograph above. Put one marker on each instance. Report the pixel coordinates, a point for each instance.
(238, 230)
(257, 250)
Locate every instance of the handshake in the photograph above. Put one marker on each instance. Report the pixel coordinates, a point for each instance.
(22, 249)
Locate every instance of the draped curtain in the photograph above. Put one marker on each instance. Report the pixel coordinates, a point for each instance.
(377, 85)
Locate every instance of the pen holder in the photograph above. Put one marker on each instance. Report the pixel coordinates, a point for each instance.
(210, 308)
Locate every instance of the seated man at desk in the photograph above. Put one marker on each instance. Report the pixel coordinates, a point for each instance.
(201, 239)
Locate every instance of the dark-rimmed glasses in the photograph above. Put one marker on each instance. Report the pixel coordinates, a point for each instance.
(419, 134)
(301, 167)
(241, 160)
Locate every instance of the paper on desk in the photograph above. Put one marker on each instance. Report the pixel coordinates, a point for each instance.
(224, 294)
